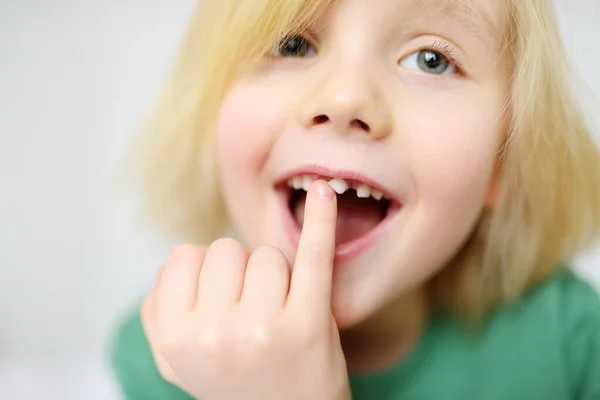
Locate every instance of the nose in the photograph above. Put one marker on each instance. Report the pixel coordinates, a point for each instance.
(349, 101)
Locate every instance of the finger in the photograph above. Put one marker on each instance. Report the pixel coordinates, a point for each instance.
(148, 318)
(222, 276)
(312, 273)
(177, 290)
(266, 283)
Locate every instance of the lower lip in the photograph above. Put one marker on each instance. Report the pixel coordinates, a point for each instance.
(343, 252)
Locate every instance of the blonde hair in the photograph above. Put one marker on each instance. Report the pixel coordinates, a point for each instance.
(548, 198)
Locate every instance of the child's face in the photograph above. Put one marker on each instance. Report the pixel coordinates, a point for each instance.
(405, 96)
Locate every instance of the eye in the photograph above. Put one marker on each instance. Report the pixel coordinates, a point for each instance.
(294, 46)
(429, 61)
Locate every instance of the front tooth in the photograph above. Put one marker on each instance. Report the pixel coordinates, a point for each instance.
(306, 182)
(338, 185)
(297, 182)
(363, 191)
(377, 195)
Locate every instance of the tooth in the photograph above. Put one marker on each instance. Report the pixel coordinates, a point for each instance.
(377, 195)
(363, 191)
(338, 185)
(297, 182)
(306, 182)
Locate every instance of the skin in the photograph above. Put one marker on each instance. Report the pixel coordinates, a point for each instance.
(430, 139)
(226, 324)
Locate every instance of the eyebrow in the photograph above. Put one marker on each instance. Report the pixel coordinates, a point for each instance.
(466, 13)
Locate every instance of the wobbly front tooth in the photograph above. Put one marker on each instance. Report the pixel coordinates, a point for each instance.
(363, 191)
(306, 182)
(338, 185)
(297, 182)
(377, 195)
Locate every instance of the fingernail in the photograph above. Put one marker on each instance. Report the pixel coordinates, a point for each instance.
(324, 191)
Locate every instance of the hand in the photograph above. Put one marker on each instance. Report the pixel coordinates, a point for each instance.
(223, 324)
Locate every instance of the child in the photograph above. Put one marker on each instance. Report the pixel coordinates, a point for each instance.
(464, 177)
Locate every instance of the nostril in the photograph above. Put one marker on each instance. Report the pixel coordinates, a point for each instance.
(362, 125)
(356, 123)
(320, 119)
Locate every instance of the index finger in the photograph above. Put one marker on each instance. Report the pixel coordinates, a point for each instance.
(310, 286)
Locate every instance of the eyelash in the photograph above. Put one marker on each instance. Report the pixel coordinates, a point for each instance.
(285, 40)
(445, 49)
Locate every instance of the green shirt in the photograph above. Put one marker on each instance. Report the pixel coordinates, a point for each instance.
(546, 346)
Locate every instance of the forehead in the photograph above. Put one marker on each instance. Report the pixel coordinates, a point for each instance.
(483, 19)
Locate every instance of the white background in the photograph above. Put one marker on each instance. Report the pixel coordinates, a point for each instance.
(75, 80)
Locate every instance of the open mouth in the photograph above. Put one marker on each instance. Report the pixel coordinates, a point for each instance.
(362, 208)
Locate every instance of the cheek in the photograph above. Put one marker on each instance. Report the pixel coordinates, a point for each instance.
(453, 158)
(245, 131)
(242, 139)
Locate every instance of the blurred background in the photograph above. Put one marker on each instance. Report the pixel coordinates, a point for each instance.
(76, 78)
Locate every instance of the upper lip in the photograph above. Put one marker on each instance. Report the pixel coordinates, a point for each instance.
(337, 173)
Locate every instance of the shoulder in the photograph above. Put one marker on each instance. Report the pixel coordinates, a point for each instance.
(564, 297)
(581, 301)
(573, 301)
(558, 324)
(132, 363)
(581, 322)
(566, 300)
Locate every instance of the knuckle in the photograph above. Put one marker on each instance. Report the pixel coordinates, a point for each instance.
(255, 343)
(271, 253)
(228, 245)
(208, 343)
(185, 252)
(211, 342)
(260, 337)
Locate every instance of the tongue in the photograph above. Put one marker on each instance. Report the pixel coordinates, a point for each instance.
(355, 216)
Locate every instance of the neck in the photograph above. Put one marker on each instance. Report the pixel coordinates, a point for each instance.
(387, 337)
